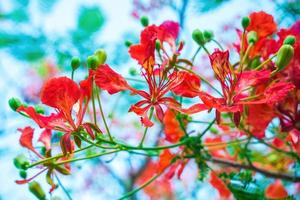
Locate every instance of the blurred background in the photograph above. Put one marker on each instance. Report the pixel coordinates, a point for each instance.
(38, 39)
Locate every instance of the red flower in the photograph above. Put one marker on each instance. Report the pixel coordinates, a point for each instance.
(276, 191)
(62, 93)
(189, 87)
(26, 139)
(262, 23)
(144, 52)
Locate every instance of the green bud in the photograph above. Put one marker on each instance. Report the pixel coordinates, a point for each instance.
(252, 37)
(23, 174)
(101, 55)
(43, 151)
(255, 62)
(284, 56)
(21, 162)
(92, 62)
(132, 71)
(39, 109)
(157, 45)
(290, 39)
(245, 22)
(208, 35)
(14, 103)
(36, 189)
(144, 21)
(62, 170)
(128, 43)
(198, 37)
(75, 63)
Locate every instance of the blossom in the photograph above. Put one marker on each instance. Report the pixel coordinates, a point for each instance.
(276, 191)
(262, 23)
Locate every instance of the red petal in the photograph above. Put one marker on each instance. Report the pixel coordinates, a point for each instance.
(168, 32)
(165, 159)
(26, 137)
(278, 91)
(159, 112)
(146, 121)
(262, 23)
(61, 93)
(107, 79)
(218, 184)
(86, 85)
(89, 130)
(189, 87)
(172, 129)
(276, 191)
(66, 144)
(45, 138)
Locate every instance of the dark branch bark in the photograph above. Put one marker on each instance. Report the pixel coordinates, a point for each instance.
(265, 172)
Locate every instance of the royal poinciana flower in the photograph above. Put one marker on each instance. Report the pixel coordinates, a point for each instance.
(62, 94)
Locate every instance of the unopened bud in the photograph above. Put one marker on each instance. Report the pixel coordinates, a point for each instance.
(36, 189)
(23, 174)
(14, 103)
(75, 63)
(127, 43)
(290, 39)
(245, 22)
(132, 71)
(198, 37)
(144, 21)
(157, 45)
(39, 109)
(208, 35)
(252, 37)
(92, 62)
(284, 56)
(21, 162)
(101, 55)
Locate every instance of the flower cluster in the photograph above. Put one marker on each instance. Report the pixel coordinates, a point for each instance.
(255, 99)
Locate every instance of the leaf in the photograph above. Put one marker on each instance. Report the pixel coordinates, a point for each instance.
(90, 19)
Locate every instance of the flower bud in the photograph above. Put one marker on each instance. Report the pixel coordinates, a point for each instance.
(198, 37)
(252, 37)
(39, 109)
(21, 162)
(290, 39)
(132, 71)
(208, 35)
(92, 62)
(245, 22)
(284, 56)
(23, 174)
(75, 63)
(127, 43)
(157, 45)
(144, 21)
(14, 103)
(62, 170)
(101, 55)
(36, 189)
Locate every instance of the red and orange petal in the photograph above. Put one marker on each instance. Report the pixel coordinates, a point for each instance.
(219, 185)
(220, 64)
(144, 52)
(262, 23)
(172, 129)
(276, 191)
(189, 87)
(61, 93)
(107, 79)
(165, 160)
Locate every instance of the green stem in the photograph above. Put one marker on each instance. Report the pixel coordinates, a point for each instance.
(139, 188)
(93, 102)
(265, 62)
(146, 128)
(217, 43)
(55, 157)
(102, 115)
(63, 188)
(72, 75)
(208, 127)
(88, 157)
(195, 54)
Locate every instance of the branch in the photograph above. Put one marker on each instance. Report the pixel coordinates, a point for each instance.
(265, 172)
